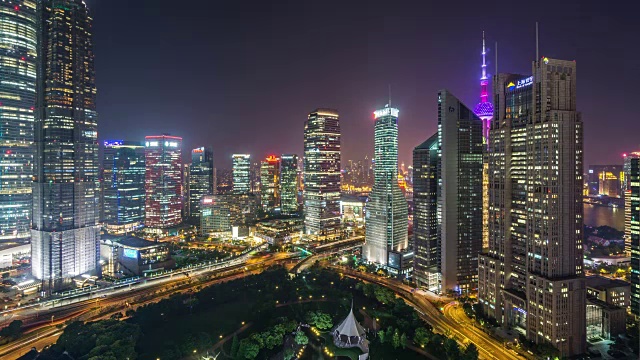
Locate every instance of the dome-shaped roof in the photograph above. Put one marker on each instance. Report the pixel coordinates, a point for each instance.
(484, 110)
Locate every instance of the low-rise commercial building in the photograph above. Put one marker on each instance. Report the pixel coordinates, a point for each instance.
(612, 291)
(133, 256)
(278, 232)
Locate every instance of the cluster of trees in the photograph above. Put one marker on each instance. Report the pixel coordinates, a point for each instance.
(381, 294)
(104, 340)
(436, 343)
(14, 329)
(319, 319)
(393, 336)
(250, 347)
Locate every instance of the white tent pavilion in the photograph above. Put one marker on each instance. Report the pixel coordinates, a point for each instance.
(349, 333)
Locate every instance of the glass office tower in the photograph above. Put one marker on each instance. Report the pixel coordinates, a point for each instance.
(322, 175)
(270, 184)
(387, 210)
(65, 232)
(289, 184)
(18, 40)
(123, 185)
(163, 181)
(200, 178)
(241, 173)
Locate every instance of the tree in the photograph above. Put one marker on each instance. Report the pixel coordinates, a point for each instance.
(382, 336)
(319, 319)
(403, 340)
(471, 352)
(301, 338)
(288, 354)
(14, 329)
(422, 336)
(452, 349)
(395, 341)
(235, 345)
(248, 349)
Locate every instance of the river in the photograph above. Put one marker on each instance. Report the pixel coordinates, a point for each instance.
(595, 215)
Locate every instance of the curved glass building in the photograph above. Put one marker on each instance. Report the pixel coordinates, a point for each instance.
(18, 40)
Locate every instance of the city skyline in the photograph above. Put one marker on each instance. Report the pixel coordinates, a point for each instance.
(274, 65)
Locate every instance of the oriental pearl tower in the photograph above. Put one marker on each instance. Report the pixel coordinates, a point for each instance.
(484, 109)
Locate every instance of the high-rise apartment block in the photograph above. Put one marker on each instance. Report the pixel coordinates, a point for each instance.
(65, 232)
(270, 183)
(387, 210)
(200, 178)
(289, 184)
(163, 185)
(123, 185)
(322, 175)
(241, 173)
(18, 41)
(532, 276)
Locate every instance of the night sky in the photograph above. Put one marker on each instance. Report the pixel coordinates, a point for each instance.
(241, 76)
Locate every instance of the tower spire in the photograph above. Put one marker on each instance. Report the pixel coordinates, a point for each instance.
(484, 63)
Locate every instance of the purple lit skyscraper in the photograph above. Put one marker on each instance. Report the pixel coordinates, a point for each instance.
(484, 109)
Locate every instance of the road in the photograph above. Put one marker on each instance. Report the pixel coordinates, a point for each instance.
(488, 347)
(40, 322)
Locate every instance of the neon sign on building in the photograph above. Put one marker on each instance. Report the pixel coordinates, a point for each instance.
(386, 112)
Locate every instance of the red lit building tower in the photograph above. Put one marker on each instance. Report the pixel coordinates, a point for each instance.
(163, 181)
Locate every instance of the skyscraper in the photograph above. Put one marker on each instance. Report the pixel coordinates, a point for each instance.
(18, 40)
(626, 192)
(163, 184)
(289, 184)
(426, 217)
(532, 276)
(200, 178)
(387, 209)
(123, 184)
(64, 234)
(322, 175)
(241, 173)
(484, 110)
(461, 152)
(270, 183)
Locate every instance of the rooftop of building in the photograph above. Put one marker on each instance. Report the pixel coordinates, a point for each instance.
(603, 283)
(130, 241)
(603, 304)
(353, 198)
(430, 143)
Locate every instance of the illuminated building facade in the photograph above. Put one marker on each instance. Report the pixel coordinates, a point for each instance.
(387, 210)
(65, 238)
(322, 175)
(634, 175)
(426, 215)
(18, 41)
(241, 173)
(532, 276)
(461, 152)
(270, 184)
(200, 178)
(215, 219)
(606, 180)
(289, 184)
(484, 110)
(163, 183)
(123, 185)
